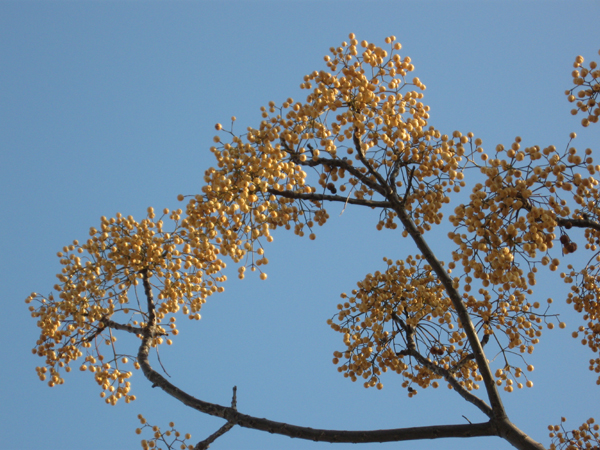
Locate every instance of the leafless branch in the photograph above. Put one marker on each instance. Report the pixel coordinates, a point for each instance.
(203, 445)
(497, 426)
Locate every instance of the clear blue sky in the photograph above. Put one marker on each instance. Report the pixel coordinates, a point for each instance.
(110, 107)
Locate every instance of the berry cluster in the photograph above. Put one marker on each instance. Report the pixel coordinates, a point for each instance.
(586, 90)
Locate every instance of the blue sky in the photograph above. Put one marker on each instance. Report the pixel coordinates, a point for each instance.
(110, 107)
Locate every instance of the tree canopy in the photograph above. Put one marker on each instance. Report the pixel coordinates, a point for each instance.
(361, 138)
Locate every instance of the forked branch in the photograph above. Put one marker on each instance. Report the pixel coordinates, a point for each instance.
(203, 445)
(233, 417)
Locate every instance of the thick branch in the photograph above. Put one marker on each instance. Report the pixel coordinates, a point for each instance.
(578, 223)
(506, 429)
(461, 310)
(444, 277)
(517, 438)
(497, 426)
(236, 418)
(203, 445)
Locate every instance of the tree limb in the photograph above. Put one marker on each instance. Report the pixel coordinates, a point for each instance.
(234, 417)
(461, 310)
(398, 206)
(203, 445)
(499, 425)
(497, 413)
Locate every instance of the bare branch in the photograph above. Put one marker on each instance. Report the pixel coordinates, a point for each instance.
(235, 418)
(203, 445)
(391, 435)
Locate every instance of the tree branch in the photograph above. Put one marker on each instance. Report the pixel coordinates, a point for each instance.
(446, 374)
(342, 163)
(233, 417)
(203, 445)
(382, 183)
(497, 426)
(105, 323)
(119, 326)
(150, 300)
(331, 198)
(236, 418)
(461, 310)
(497, 412)
(578, 223)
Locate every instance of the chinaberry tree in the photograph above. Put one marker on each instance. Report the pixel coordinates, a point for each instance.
(361, 139)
